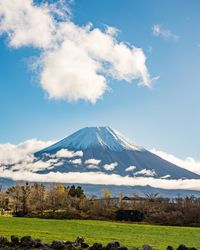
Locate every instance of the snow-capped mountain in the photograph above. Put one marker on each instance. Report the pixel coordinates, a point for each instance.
(102, 149)
(96, 137)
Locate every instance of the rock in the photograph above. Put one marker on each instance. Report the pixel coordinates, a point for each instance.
(26, 241)
(14, 240)
(3, 241)
(96, 246)
(147, 247)
(46, 246)
(68, 243)
(113, 245)
(79, 240)
(134, 248)
(37, 243)
(182, 247)
(84, 245)
(122, 248)
(71, 247)
(170, 248)
(58, 245)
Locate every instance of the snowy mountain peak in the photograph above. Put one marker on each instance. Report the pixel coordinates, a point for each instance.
(102, 149)
(104, 137)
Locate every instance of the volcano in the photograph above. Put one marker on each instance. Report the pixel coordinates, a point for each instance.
(102, 149)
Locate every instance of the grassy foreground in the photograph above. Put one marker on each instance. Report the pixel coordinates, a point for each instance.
(100, 231)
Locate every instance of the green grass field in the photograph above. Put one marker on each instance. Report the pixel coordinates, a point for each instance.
(100, 231)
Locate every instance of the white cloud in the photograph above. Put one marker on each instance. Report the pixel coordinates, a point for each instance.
(146, 172)
(76, 161)
(75, 62)
(23, 152)
(101, 178)
(165, 33)
(65, 153)
(79, 66)
(58, 164)
(92, 161)
(189, 163)
(166, 176)
(21, 157)
(34, 166)
(92, 166)
(111, 166)
(131, 168)
(26, 24)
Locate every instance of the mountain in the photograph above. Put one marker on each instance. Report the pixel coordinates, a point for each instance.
(102, 149)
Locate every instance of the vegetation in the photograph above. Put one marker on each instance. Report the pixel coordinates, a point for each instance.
(60, 202)
(100, 231)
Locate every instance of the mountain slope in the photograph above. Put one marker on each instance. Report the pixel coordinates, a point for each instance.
(95, 137)
(102, 149)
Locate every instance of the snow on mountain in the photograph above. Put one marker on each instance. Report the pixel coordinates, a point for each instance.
(102, 149)
(104, 137)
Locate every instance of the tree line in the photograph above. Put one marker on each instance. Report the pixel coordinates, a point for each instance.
(70, 202)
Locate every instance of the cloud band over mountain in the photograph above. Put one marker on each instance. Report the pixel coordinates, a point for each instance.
(21, 157)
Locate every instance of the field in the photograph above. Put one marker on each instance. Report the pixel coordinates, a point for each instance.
(100, 231)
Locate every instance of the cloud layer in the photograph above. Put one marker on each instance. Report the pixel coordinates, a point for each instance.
(23, 152)
(22, 165)
(101, 178)
(75, 62)
(189, 163)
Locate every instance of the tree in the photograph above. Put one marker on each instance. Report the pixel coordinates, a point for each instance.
(37, 197)
(14, 196)
(56, 197)
(107, 196)
(76, 192)
(25, 192)
(19, 195)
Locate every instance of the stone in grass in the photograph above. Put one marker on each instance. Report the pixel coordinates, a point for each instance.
(122, 248)
(170, 248)
(71, 247)
(96, 246)
(37, 243)
(79, 240)
(14, 240)
(113, 245)
(58, 245)
(183, 247)
(147, 247)
(134, 248)
(4, 241)
(68, 242)
(27, 241)
(84, 245)
(45, 246)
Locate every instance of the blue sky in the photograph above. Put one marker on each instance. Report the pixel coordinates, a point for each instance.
(165, 116)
